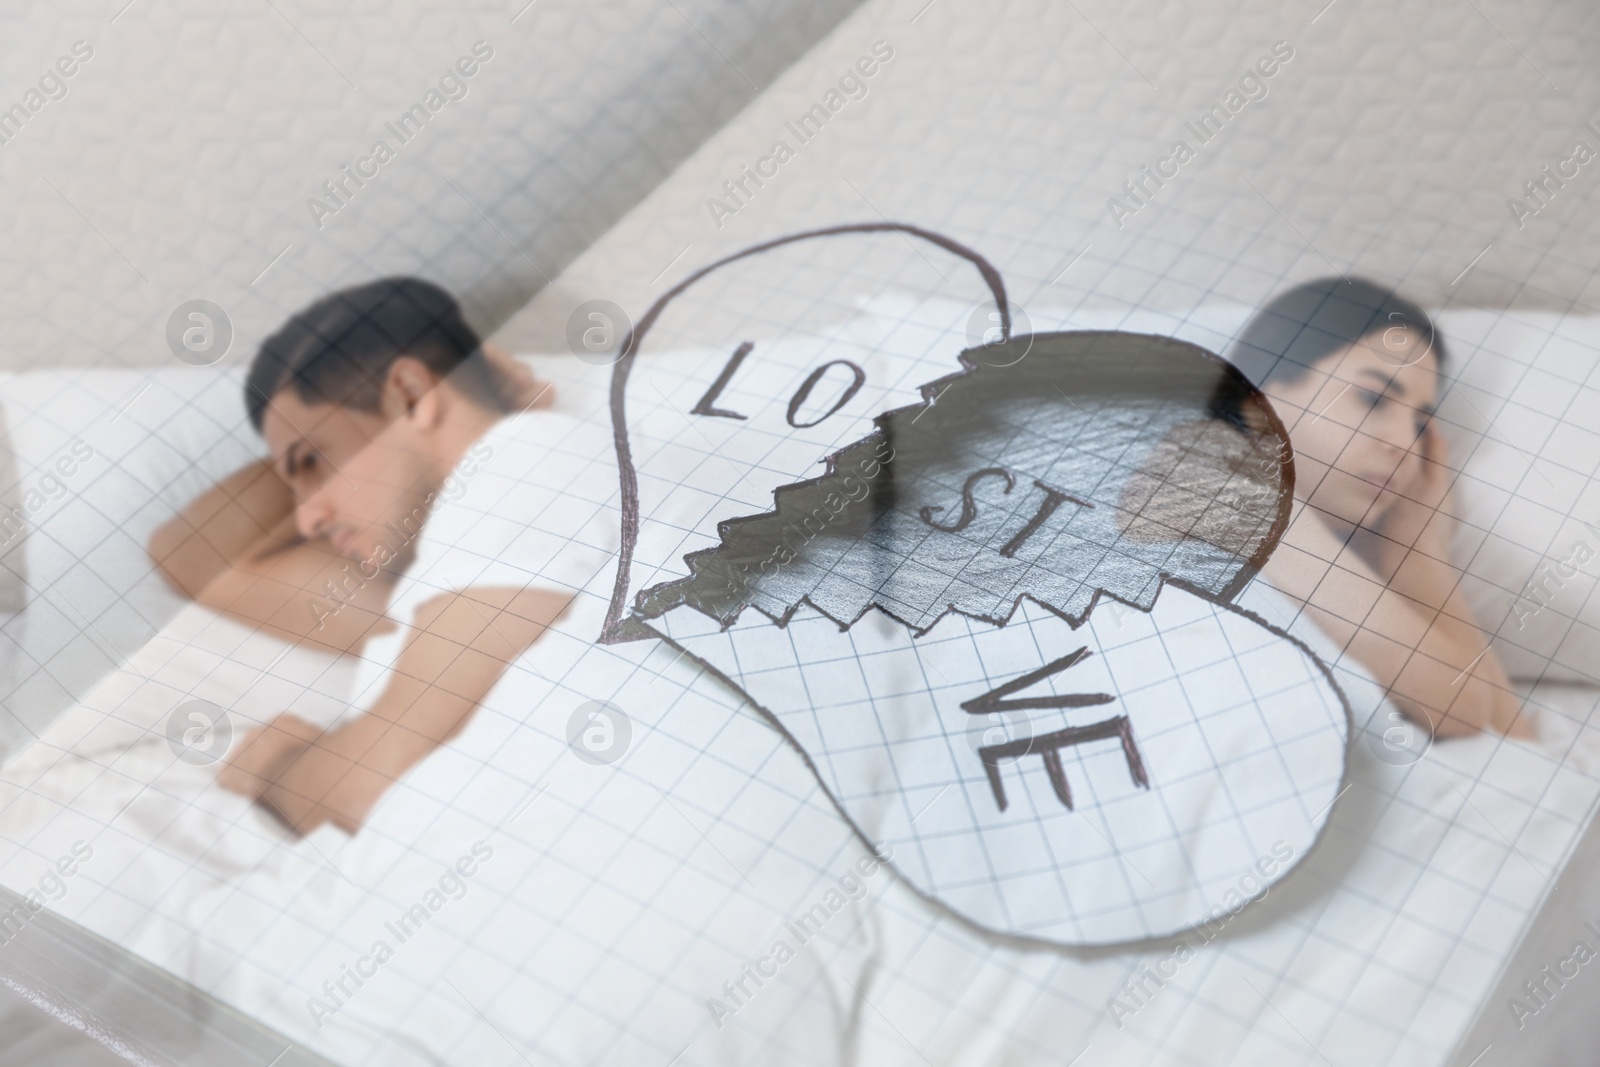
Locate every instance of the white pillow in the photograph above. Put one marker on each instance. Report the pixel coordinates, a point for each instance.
(100, 459)
(1524, 430)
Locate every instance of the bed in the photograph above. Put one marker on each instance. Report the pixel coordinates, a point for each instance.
(1381, 945)
(622, 900)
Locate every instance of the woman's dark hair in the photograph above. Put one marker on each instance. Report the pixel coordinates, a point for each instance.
(1300, 327)
(339, 350)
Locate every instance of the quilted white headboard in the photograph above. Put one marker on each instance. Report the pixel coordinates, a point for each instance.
(180, 157)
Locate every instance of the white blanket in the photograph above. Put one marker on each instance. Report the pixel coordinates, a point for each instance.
(619, 900)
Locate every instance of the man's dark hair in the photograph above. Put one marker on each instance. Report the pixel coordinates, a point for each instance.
(339, 350)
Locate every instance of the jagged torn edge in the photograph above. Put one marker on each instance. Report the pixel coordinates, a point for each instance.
(929, 391)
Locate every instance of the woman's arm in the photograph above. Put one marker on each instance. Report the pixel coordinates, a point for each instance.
(1397, 608)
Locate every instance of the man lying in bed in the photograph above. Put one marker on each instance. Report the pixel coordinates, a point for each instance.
(379, 406)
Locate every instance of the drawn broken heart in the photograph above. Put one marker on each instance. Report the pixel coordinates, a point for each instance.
(1000, 626)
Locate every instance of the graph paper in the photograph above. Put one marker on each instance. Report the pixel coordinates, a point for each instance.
(829, 762)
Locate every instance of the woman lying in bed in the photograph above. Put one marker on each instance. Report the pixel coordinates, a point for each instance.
(1353, 370)
(370, 401)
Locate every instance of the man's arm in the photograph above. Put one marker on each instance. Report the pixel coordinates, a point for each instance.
(460, 647)
(249, 511)
(235, 549)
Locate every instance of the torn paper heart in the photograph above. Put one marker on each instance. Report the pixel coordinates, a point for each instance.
(927, 622)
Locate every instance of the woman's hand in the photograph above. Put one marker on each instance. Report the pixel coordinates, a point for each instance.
(1414, 512)
(1410, 627)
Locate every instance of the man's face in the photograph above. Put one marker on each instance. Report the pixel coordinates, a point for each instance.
(357, 476)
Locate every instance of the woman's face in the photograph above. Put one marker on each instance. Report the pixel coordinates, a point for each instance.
(1356, 421)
